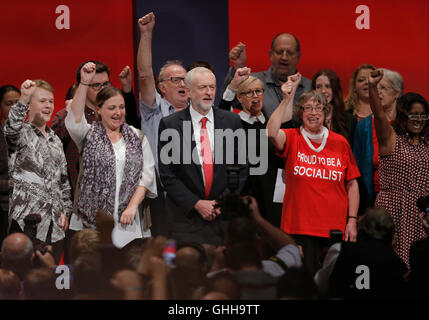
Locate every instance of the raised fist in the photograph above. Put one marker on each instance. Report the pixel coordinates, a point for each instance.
(375, 76)
(87, 73)
(146, 23)
(238, 56)
(289, 87)
(27, 89)
(295, 79)
(126, 79)
(242, 74)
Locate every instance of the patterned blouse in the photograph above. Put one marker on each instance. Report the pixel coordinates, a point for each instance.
(38, 174)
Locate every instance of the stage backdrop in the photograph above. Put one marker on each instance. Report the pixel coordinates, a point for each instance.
(189, 30)
(393, 34)
(50, 39)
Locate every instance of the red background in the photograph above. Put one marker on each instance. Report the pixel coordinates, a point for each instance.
(398, 38)
(33, 48)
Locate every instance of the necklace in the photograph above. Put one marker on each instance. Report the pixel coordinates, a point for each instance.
(323, 135)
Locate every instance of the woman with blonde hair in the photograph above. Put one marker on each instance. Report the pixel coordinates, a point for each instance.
(357, 100)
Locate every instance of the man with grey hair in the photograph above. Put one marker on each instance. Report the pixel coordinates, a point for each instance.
(153, 106)
(171, 84)
(17, 254)
(197, 176)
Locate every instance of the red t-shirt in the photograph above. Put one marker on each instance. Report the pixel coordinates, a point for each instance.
(316, 200)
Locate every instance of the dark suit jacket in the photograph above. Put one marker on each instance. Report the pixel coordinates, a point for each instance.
(184, 181)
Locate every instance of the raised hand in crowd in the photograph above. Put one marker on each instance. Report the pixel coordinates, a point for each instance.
(87, 73)
(386, 136)
(153, 248)
(77, 106)
(238, 56)
(375, 77)
(242, 74)
(144, 59)
(146, 24)
(290, 86)
(129, 283)
(27, 89)
(283, 113)
(126, 79)
(105, 225)
(158, 271)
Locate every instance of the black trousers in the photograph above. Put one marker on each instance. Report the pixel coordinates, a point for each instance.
(313, 248)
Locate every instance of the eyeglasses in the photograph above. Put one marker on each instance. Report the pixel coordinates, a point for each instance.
(308, 108)
(250, 93)
(175, 80)
(289, 53)
(418, 116)
(383, 88)
(98, 86)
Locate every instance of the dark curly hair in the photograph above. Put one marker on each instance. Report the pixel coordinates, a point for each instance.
(404, 106)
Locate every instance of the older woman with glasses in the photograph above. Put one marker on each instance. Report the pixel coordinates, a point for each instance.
(320, 170)
(404, 158)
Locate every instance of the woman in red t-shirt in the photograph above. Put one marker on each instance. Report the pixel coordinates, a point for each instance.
(322, 191)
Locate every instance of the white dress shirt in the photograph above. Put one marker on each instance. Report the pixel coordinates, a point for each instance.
(196, 125)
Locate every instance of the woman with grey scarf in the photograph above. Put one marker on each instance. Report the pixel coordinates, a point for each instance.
(117, 168)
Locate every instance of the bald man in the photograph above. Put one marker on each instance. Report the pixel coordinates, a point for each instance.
(285, 54)
(17, 254)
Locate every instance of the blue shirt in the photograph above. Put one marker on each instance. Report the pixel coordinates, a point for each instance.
(151, 116)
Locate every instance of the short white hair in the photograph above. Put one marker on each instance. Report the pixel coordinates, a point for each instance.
(395, 80)
(189, 78)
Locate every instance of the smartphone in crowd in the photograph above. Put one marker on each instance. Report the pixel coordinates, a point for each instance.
(169, 253)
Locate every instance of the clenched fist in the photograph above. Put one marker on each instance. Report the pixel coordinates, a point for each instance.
(146, 23)
(27, 89)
